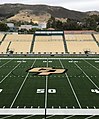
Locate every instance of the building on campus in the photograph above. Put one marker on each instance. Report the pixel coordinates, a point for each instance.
(11, 26)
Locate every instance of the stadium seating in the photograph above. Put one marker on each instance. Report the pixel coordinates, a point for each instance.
(18, 43)
(53, 43)
(49, 44)
(77, 47)
(97, 37)
(79, 37)
(1, 37)
(79, 43)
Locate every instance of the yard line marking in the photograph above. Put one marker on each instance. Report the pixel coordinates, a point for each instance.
(10, 72)
(49, 117)
(46, 91)
(86, 75)
(6, 63)
(94, 107)
(91, 65)
(7, 117)
(89, 117)
(71, 86)
(27, 117)
(21, 86)
(69, 117)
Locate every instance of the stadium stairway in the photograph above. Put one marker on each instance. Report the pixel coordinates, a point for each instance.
(3, 39)
(65, 45)
(8, 46)
(95, 39)
(32, 44)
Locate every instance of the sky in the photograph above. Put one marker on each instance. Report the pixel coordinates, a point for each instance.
(79, 5)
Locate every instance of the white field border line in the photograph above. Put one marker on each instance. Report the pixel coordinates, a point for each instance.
(6, 63)
(91, 65)
(71, 86)
(53, 58)
(27, 117)
(86, 75)
(50, 111)
(10, 72)
(21, 86)
(22, 111)
(72, 111)
(7, 117)
(69, 117)
(89, 117)
(46, 89)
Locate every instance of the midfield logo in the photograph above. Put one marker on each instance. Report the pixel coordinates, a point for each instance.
(45, 71)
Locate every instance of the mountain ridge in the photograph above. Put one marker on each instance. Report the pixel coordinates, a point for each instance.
(20, 12)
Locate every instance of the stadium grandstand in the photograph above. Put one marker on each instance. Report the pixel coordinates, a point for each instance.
(50, 42)
(79, 43)
(16, 43)
(97, 37)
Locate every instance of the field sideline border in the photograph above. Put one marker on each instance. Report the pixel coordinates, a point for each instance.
(51, 58)
(36, 111)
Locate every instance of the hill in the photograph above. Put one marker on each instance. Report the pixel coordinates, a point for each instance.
(21, 12)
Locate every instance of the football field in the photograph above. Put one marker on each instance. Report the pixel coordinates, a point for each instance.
(74, 92)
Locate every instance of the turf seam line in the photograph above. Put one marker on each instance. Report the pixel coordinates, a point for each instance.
(71, 86)
(21, 86)
(10, 72)
(86, 75)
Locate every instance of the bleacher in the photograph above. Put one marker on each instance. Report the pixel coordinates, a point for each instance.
(1, 36)
(79, 37)
(79, 43)
(18, 43)
(97, 37)
(49, 44)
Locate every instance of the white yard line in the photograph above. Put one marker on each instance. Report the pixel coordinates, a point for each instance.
(71, 86)
(49, 117)
(69, 117)
(21, 86)
(86, 75)
(27, 117)
(6, 63)
(46, 90)
(7, 117)
(91, 65)
(10, 72)
(89, 117)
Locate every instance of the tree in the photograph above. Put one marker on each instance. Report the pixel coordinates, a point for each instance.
(71, 25)
(90, 23)
(3, 27)
(51, 23)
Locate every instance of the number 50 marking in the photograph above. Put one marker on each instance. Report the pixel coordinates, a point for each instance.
(43, 91)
